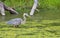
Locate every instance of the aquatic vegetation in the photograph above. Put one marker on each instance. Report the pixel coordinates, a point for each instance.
(44, 24)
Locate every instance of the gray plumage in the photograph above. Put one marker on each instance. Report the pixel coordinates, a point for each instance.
(15, 22)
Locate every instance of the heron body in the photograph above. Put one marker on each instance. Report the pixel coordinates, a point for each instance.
(15, 22)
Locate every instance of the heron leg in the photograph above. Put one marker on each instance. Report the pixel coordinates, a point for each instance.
(16, 26)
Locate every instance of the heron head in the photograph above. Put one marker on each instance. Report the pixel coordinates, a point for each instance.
(26, 14)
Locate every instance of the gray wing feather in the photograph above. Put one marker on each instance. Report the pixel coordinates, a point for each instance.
(15, 21)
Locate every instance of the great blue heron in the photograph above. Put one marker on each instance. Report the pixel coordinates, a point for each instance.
(15, 22)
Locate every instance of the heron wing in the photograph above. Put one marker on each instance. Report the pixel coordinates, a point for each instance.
(15, 21)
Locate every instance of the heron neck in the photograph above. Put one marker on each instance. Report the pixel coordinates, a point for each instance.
(24, 18)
